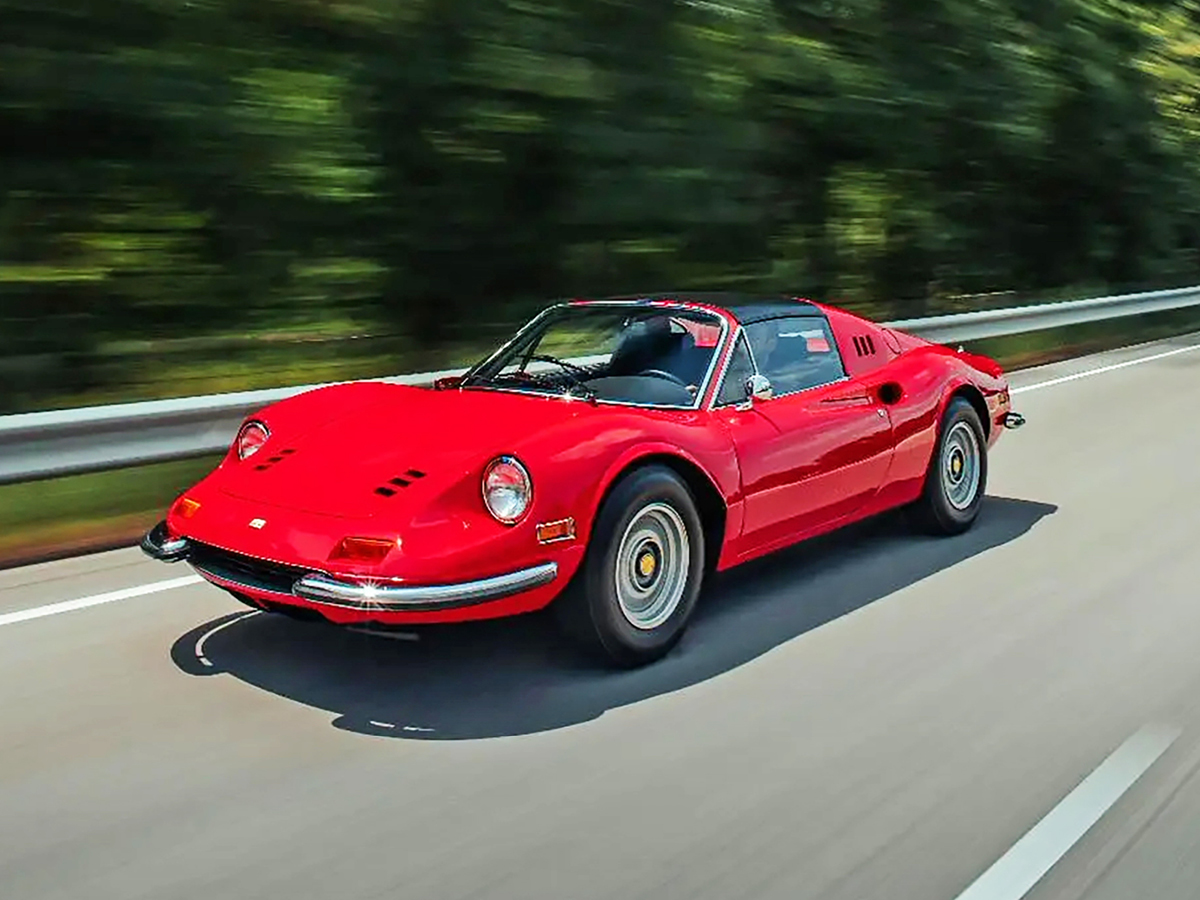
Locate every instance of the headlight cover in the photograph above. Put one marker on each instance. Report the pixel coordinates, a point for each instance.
(250, 439)
(507, 489)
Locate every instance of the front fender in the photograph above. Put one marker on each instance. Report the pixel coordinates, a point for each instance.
(720, 472)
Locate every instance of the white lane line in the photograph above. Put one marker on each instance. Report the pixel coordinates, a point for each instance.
(1102, 369)
(54, 609)
(204, 637)
(1018, 870)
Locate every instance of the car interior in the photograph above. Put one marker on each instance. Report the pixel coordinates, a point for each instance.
(661, 358)
(656, 360)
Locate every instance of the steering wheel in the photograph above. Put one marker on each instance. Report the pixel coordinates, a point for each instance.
(660, 373)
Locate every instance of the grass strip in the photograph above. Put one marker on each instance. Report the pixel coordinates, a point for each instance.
(59, 517)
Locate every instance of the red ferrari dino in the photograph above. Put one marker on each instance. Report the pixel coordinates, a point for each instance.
(604, 460)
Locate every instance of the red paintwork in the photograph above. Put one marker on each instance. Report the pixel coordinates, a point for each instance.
(786, 470)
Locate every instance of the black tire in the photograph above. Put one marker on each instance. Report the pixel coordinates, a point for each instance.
(939, 511)
(590, 610)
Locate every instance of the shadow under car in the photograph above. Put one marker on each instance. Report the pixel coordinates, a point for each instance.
(518, 676)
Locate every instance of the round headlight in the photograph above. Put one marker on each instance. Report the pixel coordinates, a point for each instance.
(507, 490)
(252, 436)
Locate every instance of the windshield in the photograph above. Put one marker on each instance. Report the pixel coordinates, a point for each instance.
(647, 356)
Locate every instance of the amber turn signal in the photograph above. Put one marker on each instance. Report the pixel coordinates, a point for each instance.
(187, 507)
(562, 530)
(362, 549)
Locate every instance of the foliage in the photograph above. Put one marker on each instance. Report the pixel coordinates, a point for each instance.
(430, 168)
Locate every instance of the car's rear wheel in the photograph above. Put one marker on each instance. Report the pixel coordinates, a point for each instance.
(957, 477)
(641, 577)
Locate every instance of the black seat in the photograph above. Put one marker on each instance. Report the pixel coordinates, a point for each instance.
(644, 345)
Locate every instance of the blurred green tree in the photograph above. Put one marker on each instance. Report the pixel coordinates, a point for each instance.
(175, 169)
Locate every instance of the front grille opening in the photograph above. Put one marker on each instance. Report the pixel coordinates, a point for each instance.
(245, 570)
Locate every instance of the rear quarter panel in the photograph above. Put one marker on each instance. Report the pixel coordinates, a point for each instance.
(929, 375)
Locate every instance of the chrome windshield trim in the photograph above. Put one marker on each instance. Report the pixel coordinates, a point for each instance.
(724, 370)
(328, 591)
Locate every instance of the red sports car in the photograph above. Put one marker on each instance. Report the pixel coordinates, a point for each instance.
(604, 460)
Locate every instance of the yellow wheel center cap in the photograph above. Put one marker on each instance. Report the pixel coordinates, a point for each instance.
(646, 565)
(956, 465)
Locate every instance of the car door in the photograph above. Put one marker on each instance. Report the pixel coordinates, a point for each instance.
(814, 453)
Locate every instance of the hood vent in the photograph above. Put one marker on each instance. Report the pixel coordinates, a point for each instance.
(400, 481)
(277, 458)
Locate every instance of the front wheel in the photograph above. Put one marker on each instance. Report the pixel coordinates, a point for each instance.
(640, 580)
(957, 477)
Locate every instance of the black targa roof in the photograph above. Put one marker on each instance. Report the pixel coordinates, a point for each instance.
(746, 308)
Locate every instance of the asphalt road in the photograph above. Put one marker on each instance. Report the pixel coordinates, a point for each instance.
(873, 715)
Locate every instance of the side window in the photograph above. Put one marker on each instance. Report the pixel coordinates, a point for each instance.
(795, 353)
(740, 368)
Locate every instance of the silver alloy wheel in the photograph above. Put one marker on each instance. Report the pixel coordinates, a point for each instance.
(652, 566)
(961, 466)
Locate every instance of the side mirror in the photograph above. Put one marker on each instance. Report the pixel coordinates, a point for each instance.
(759, 387)
(447, 383)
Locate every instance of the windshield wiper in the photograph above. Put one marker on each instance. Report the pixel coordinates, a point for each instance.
(570, 369)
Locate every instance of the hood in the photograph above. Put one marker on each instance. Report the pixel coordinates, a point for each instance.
(354, 451)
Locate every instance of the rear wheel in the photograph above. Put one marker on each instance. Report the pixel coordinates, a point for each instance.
(957, 477)
(640, 580)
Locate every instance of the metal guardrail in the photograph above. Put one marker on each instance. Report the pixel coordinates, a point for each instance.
(990, 323)
(42, 445)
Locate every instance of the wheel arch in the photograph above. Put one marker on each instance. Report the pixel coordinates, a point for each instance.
(974, 396)
(710, 504)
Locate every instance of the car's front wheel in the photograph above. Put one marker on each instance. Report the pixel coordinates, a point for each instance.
(641, 577)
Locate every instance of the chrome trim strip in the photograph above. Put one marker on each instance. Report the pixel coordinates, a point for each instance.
(503, 348)
(322, 589)
(724, 373)
(574, 398)
(702, 391)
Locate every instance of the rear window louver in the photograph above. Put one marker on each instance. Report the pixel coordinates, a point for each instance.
(400, 481)
(864, 345)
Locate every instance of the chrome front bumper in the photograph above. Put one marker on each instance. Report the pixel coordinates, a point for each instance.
(322, 589)
(356, 595)
(161, 546)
